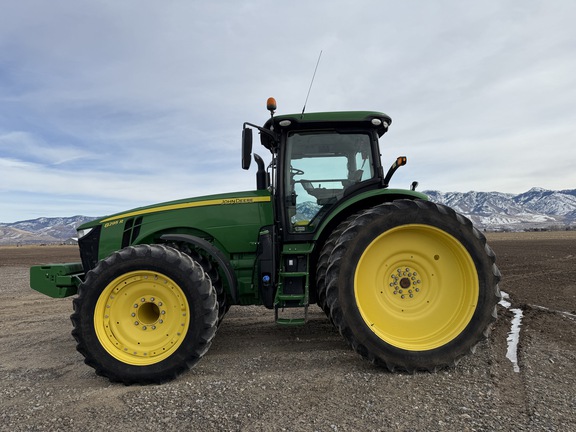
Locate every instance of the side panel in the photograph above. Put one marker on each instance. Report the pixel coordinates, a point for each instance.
(232, 220)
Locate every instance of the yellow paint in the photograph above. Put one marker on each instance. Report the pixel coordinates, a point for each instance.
(416, 287)
(141, 317)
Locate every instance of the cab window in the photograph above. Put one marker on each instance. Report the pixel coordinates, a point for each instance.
(321, 166)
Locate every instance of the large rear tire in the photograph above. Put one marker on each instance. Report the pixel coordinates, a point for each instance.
(322, 264)
(144, 315)
(412, 285)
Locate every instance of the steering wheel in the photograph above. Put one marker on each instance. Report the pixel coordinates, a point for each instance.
(296, 171)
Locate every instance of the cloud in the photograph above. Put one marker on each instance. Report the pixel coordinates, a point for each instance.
(131, 103)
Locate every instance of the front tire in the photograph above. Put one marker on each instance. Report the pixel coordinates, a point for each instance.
(412, 285)
(144, 315)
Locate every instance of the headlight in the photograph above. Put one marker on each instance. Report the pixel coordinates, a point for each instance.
(82, 233)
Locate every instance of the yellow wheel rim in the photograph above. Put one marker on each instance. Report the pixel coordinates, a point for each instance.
(416, 287)
(141, 317)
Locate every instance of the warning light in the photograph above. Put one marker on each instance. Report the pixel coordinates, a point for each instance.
(271, 105)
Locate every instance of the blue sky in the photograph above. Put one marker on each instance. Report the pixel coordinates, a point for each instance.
(108, 105)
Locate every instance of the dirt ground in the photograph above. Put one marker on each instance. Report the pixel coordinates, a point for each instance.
(258, 376)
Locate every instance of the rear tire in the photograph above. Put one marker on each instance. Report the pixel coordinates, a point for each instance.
(322, 265)
(412, 285)
(144, 315)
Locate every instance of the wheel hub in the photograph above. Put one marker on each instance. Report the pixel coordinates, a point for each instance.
(405, 282)
(149, 313)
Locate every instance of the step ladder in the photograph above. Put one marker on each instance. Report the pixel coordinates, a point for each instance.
(292, 299)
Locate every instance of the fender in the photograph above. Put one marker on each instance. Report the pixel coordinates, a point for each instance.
(383, 194)
(215, 253)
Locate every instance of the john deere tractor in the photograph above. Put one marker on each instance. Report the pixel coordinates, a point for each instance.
(410, 284)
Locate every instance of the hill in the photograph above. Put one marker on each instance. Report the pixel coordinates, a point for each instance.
(536, 209)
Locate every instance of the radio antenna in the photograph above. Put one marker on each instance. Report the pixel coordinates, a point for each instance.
(311, 82)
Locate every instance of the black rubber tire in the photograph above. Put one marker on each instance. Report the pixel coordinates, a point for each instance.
(212, 272)
(341, 276)
(191, 281)
(322, 264)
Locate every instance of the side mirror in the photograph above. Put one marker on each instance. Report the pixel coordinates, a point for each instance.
(246, 148)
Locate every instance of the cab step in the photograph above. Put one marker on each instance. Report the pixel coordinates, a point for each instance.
(294, 318)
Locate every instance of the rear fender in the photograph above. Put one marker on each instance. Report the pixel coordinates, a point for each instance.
(360, 202)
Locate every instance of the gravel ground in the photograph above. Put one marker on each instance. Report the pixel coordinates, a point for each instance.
(258, 376)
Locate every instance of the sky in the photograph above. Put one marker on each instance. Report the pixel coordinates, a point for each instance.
(108, 105)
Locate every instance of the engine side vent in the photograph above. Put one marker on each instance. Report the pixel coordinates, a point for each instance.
(131, 231)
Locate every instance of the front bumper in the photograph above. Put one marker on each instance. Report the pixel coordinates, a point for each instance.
(57, 280)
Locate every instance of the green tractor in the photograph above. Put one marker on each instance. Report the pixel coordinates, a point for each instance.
(410, 284)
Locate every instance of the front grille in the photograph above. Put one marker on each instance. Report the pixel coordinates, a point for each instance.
(89, 248)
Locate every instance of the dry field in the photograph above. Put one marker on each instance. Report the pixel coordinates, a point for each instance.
(259, 376)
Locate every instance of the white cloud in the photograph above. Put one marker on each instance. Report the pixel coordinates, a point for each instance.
(135, 102)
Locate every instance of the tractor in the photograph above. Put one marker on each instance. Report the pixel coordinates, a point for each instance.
(410, 284)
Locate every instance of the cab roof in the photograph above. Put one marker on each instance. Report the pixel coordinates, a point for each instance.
(369, 120)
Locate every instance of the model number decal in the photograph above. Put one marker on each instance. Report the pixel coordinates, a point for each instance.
(116, 222)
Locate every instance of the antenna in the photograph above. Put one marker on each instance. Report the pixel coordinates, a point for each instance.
(311, 82)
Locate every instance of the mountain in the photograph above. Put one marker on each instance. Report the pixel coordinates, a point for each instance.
(537, 209)
(41, 230)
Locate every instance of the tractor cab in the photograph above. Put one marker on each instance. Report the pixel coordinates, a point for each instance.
(319, 169)
(318, 160)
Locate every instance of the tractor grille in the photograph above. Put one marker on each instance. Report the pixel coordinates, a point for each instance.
(89, 248)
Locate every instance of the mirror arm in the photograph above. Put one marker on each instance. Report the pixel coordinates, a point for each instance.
(400, 161)
(262, 130)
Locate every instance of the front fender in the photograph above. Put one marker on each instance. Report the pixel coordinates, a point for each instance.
(215, 253)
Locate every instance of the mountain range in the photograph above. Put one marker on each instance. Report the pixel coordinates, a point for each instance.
(537, 209)
(42, 230)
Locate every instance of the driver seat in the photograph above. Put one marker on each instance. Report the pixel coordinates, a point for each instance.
(323, 196)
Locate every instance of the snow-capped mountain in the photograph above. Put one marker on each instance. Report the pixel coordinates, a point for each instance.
(536, 209)
(41, 230)
(494, 211)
